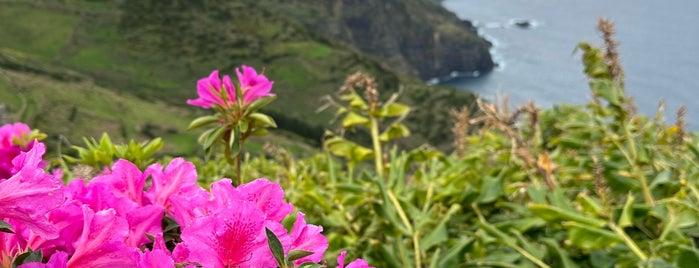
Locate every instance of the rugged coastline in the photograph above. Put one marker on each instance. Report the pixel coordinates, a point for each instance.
(419, 38)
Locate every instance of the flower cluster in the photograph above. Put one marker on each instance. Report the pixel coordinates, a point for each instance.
(213, 91)
(237, 115)
(11, 144)
(117, 218)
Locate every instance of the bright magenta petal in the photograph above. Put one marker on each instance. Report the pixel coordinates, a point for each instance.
(144, 220)
(31, 193)
(308, 237)
(155, 259)
(102, 241)
(209, 90)
(125, 180)
(268, 196)
(177, 177)
(227, 239)
(253, 85)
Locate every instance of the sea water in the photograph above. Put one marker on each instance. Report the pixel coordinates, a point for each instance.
(659, 46)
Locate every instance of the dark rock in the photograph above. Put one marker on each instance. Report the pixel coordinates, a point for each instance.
(413, 37)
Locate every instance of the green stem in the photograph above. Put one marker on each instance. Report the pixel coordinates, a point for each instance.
(416, 248)
(377, 146)
(629, 242)
(237, 169)
(637, 172)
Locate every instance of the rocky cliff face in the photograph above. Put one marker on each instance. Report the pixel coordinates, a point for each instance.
(413, 37)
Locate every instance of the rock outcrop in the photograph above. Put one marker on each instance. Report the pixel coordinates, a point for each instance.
(414, 37)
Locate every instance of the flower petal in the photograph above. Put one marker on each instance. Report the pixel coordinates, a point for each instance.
(102, 241)
(31, 193)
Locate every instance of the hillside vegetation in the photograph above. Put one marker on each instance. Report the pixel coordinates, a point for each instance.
(156, 50)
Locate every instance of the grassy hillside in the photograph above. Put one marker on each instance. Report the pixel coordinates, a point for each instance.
(156, 51)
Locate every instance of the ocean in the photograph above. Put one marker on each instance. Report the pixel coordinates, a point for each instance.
(659, 46)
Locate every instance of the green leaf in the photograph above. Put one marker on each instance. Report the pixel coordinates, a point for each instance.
(562, 255)
(454, 255)
(394, 131)
(352, 119)
(214, 136)
(626, 218)
(661, 178)
(276, 246)
(5, 227)
(589, 205)
(439, 235)
(153, 146)
(258, 103)
(355, 101)
(347, 149)
(27, 257)
(310, 265)
(607, 90)
(687, 258)
(260, 132)
(551, 213)
(262, 120)
(393, 110)
(491, 190)
(202, 121)
(297, 254)
(591, 238)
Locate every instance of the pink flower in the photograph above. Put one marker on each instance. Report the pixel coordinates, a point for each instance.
(102, 242)
(8, 149)
(176, 189)
(268, 196)
(358, 263)
(226, 239)
(31, 193)
(57, 260)
(210, 91)
(252, 85)
(155, 259)
(125, 180)
(307, 237)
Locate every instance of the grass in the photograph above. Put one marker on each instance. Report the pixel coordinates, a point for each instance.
(158, 56)
(35, 31)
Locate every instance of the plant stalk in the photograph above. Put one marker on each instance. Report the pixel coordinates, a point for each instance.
(628, 241)
(378, 160)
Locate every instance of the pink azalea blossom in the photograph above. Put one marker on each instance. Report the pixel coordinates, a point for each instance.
(57, 260)
(122, 190)
(358, 263)
(178, 177)
(307, 237)
(125, 179)
(31, 193)
(68, 220)
(210, 90)
(8, 149)
(268, 196)
(227, 239)
(253, 85)
(102, 242)
(156, 258)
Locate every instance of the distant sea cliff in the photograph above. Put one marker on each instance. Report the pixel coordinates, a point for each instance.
(413, 37)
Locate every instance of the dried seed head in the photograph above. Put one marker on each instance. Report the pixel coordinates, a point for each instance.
(360, 79)
(606, 27)
(460, 129)
(681, 124)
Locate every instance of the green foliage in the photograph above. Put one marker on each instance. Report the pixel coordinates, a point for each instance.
(103, 153)
(572, 186)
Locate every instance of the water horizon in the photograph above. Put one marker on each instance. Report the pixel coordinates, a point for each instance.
(536, 60)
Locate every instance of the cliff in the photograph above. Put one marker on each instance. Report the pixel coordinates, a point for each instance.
(413, 37)
(156, 50)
